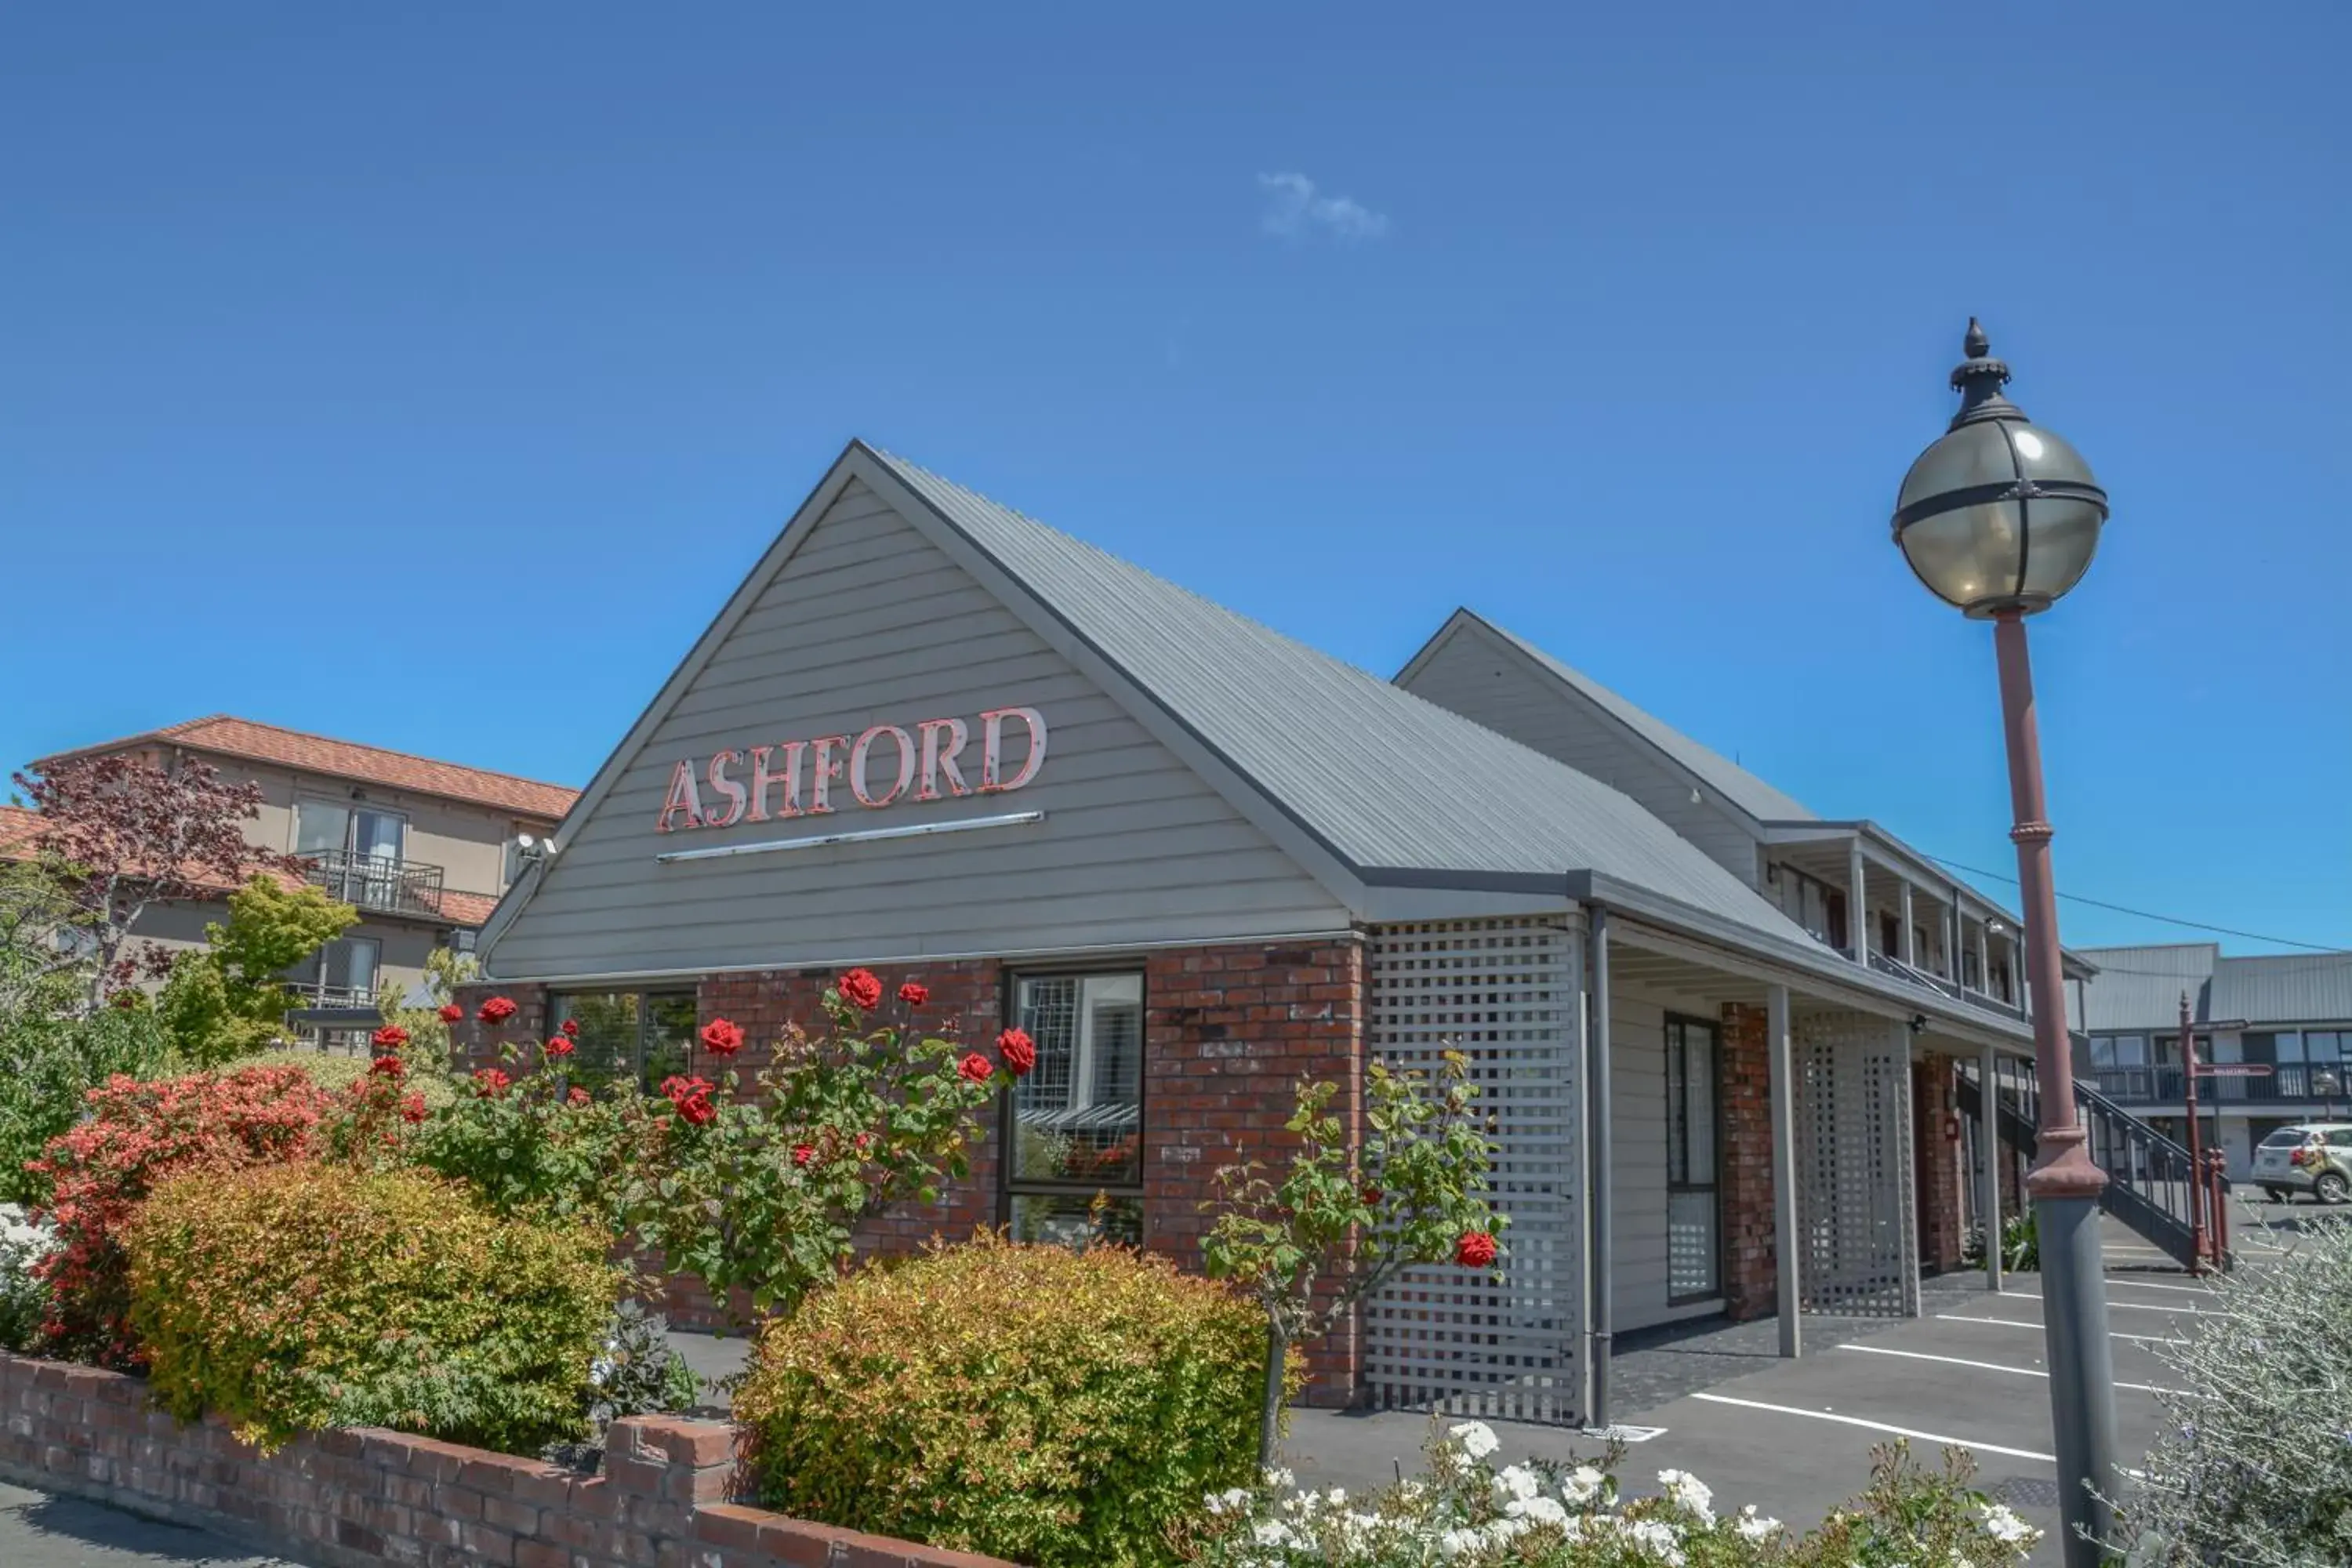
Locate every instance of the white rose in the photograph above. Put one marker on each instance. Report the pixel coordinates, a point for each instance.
(1517, 1481)
(1583, 1485)
(1477, 1438)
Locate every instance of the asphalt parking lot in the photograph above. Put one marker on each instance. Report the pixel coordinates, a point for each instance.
(1795, 1436)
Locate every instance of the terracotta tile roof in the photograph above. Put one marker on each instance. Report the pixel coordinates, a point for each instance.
(17, 827)
(244, 738)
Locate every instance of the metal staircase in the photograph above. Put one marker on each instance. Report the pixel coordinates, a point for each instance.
(2149, 1186)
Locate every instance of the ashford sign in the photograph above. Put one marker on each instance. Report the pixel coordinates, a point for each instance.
(879, 767)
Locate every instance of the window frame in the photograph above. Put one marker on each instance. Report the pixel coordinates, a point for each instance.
(350, 810)
(646, 994)
(1714, 1183)
(1008, 1185)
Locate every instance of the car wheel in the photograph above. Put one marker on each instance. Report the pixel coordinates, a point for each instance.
(2331, 1188)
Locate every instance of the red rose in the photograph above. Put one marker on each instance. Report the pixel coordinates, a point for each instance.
(723, 1037)
(562, 1046)
(861, 990)
(452, 1014)
(803, 1152)
(672, 1087)
(491, 1082)
(1371, 1197)
(914, 995)
(389, 1067)
(1476, 1249)
(391, 1037)
(975, 1068)
(696, 1109)
(577, 1097)
(412, 1108)
(571, 1028)
(865, 1141)
(1019, 1051)
(497, 1010)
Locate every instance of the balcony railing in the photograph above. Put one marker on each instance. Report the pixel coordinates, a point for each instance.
(1941, 986)
(367, 882)
(2286, 1082)
(309, 995)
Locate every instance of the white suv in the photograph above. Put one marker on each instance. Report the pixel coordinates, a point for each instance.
(2313, 1157)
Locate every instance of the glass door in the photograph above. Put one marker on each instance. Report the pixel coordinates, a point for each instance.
(1694, 1204)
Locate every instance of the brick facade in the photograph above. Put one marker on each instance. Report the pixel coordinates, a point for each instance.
(359, 1498)
(1942, 1170)
(1744, 1127)
(1229, 1032)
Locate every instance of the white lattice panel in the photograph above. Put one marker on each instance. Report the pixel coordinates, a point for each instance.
(1503, 993)
(1855, 1180)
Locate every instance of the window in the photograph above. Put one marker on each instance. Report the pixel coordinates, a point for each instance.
(340, 974)
(1076, 1130)
(364, 832)
(1693, 1217)
(644, 1035)
(2119, 1050)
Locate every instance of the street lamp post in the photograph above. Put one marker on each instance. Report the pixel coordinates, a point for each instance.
(1999, 517)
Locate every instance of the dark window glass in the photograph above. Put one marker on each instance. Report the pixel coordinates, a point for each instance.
(1076, 1169)
(628, 1036)
(1694, 1215)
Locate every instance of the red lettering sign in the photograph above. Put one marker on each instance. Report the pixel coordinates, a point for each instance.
(881, 766)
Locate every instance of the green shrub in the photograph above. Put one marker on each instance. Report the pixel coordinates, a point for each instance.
(1050, 1406)
(48, 1064)
(299, 1297)
(336, 1074)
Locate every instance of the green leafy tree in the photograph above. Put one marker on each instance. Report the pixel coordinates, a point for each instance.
(230, 999)
(762, 1190)
(427, 1021)
(1342, 1222)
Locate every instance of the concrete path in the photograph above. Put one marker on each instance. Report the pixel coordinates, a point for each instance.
(38, 1531)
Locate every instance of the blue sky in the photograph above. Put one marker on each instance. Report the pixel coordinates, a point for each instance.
(430, 378)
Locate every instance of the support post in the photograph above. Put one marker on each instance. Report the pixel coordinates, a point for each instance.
(1907, 1172)
(1785, 1251)
(1857, 903)
(1989, 1134)
(2065, 1184)
(2198, 1182)
(1984, 961)
(1603, 1314)
(1909, 942)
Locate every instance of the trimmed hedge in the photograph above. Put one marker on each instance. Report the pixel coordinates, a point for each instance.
(1051, 1406)
(336, 1074)
(299, 1297)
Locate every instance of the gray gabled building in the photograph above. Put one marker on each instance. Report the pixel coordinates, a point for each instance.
(2276, 1030)
(1200, 861)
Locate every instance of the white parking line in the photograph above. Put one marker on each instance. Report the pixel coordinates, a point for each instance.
(2152, 1284)
(1993, 1366)
(2013, 1323)
(2126, 1306)
(1938, 1438)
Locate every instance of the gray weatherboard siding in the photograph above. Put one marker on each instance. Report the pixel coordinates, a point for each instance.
(867, 622)
(1484, 679)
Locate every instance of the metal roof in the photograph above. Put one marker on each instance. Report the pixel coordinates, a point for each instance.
(1715, 771)
(2291, 988)
(2140, 987)
(1391, 783)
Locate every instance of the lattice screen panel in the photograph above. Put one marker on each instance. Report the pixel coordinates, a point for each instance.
(1503, 993)
(1855, 1213)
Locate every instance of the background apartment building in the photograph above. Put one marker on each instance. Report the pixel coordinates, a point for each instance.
(421, 848)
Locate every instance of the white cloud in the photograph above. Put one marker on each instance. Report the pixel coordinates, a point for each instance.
(1294, 210)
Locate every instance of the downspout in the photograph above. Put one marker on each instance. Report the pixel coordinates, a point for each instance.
(1600, 1278)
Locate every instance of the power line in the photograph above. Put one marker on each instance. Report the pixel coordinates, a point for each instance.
(2146, 914)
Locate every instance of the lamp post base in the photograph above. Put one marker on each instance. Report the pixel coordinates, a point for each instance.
(2082, 1369)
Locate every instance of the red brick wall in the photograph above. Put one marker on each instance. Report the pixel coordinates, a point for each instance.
(1750, 1262)
(1229, 1032)
(361, 1497)
(1941, 1168)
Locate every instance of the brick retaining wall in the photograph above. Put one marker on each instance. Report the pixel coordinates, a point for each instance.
(360, 1498)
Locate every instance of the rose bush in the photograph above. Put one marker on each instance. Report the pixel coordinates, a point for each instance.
(1466, 1513)
(760, 1186)
(136, 1135)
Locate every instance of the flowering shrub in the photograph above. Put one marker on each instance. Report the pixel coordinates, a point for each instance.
(762, 1189)
(136, 1135)
(1465, 1512)
(2254, 1462)
(1051, 1406)
(49, 1061)
(1344, 1222)
(292, 1297)
(25, 1242)
(528, 1138)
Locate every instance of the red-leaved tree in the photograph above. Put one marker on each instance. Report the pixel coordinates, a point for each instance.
(124, 836)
